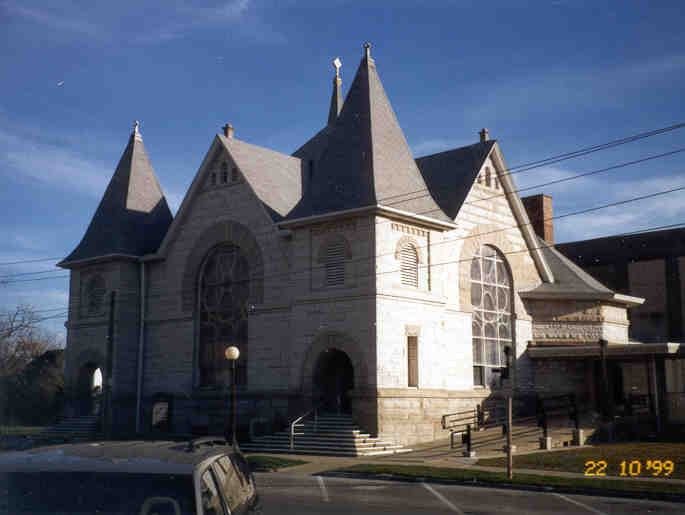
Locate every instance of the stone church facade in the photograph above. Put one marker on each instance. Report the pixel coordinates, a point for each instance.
(349, 274)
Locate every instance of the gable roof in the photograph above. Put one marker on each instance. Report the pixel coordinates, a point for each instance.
(133, 215)
(275, 178)
(450, 175)
(366, 160)
(571, 281)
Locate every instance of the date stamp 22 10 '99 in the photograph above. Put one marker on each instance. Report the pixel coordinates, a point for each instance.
(632, 468)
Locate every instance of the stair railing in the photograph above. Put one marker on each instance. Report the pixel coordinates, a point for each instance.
(299, 419)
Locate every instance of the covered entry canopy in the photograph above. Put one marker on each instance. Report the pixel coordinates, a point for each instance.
(543, 350)
(618, 371)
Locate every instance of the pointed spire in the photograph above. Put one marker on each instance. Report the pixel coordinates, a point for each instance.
(336, 97)
(367, 160)
(133, 215)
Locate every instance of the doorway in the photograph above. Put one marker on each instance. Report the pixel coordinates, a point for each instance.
(333, 379)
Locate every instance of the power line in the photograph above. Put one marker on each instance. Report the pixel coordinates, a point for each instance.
(594, 148)
(561, 157)
(578, 176)
(30, 273)
(523, 167)
(28, 261)
(557, 181)
(33, 279)
(433, 245)
(173, 293)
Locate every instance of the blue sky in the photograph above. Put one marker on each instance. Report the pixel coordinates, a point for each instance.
(543, 77)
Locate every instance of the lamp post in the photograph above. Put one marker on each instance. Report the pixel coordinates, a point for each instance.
(232, 354)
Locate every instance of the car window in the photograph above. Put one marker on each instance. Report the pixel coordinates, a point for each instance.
(211, 502)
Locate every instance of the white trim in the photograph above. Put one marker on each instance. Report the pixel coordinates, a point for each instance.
(520, 213)
(376, 209)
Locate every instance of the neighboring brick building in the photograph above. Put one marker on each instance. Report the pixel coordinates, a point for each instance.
(348, 272)
(649, 265)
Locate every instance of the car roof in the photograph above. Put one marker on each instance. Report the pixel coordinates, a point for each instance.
(138, 456)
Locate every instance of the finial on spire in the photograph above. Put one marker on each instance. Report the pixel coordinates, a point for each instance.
(136, 131)
(367, 49)
(484, 135)
(228, 130)
(337, 65)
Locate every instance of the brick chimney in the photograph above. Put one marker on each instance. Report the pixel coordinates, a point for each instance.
(540, 212)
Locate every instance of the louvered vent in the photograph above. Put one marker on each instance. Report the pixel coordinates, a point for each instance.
(335, 263)
(410, 266)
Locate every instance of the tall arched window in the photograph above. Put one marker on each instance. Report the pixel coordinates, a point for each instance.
(491, 294)
(409, 265)
(224, 292)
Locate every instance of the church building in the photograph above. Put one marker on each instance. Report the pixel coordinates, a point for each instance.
(350, 275)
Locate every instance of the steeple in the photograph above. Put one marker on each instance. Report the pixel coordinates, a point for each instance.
(133, 215)
(367, 160)
(336, 97)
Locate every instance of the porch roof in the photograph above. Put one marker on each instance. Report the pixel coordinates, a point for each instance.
(540, 350)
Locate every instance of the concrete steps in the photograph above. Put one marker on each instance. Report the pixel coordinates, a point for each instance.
(331, 435)
(81, 428)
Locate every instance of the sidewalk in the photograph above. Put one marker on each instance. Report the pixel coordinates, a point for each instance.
(430, 456)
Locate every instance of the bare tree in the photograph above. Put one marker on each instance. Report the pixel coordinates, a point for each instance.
(22, 339)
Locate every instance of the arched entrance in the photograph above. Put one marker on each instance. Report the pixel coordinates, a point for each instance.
(333, 379)
(89, 393)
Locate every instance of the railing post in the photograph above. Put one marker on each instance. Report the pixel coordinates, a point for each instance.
(292, 436)
(479, 416)
(468, 439)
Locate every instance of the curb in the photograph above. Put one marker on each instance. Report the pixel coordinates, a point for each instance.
(652, 496)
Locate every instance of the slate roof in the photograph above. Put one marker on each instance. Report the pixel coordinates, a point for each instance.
(133, 215)
(275, 178)
(451, 174)
(569, 279)
(366, 159)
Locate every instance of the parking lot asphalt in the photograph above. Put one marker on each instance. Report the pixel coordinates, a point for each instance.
(303, 493)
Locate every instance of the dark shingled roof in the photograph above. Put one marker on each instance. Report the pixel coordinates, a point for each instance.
(133, 215)
(275, 178)
(451, 174)
(366, 159)
(569, 278)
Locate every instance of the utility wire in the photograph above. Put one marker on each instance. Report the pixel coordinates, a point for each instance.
(557, 181)
(524, 167)
(433, 245)
(121, 295)
(561, 157)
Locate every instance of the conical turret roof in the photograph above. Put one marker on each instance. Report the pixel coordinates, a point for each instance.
(367, 160)
(133, 215)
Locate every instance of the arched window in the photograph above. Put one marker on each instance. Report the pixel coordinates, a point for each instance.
(213, 179)
(234, 174)
(224, 292)
(409, 265)
(224, 173)
(488, 178)
(491, 294)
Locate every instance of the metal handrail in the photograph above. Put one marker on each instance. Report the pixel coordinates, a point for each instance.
(315, 410)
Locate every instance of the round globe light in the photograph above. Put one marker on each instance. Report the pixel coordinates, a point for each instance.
(232, 353)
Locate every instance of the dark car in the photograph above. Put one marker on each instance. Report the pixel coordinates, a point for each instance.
(202, 477)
